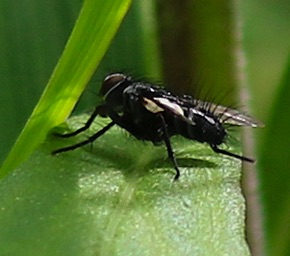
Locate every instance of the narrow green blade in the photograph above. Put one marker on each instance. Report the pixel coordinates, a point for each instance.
(93, 32)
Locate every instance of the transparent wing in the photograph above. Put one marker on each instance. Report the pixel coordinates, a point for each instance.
(233, 117)
(225, 115)
(176, 105)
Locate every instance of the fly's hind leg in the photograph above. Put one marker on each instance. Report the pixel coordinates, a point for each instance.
(216, 149)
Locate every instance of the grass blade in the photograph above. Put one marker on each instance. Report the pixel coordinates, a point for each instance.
(93, 32)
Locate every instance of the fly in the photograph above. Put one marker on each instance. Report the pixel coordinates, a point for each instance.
(154, 114)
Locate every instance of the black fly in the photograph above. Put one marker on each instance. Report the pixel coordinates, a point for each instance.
(154, 114)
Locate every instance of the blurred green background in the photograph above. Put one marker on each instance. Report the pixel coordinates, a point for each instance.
(33, 36)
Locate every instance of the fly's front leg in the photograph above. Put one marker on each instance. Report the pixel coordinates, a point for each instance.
(85, 142)
(85, 127)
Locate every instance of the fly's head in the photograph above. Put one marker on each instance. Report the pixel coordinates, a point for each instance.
(112, 90)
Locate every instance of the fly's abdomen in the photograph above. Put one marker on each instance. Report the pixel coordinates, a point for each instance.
(199, 126)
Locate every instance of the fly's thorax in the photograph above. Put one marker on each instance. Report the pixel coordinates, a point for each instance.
(112, 90)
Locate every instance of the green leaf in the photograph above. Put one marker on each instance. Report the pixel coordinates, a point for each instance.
(117, 197)
(93, 32)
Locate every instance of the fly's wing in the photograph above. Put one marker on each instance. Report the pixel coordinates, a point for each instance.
(234, 117)
(224, 114)
(230, 116)
(160, 100)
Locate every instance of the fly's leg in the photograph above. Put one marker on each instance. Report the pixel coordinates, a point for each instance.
(130, 127)
(169, 148)
(85, 127)
(85, 142)
(224, 152)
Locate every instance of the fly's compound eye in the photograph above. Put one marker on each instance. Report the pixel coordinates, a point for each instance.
(111, 82)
